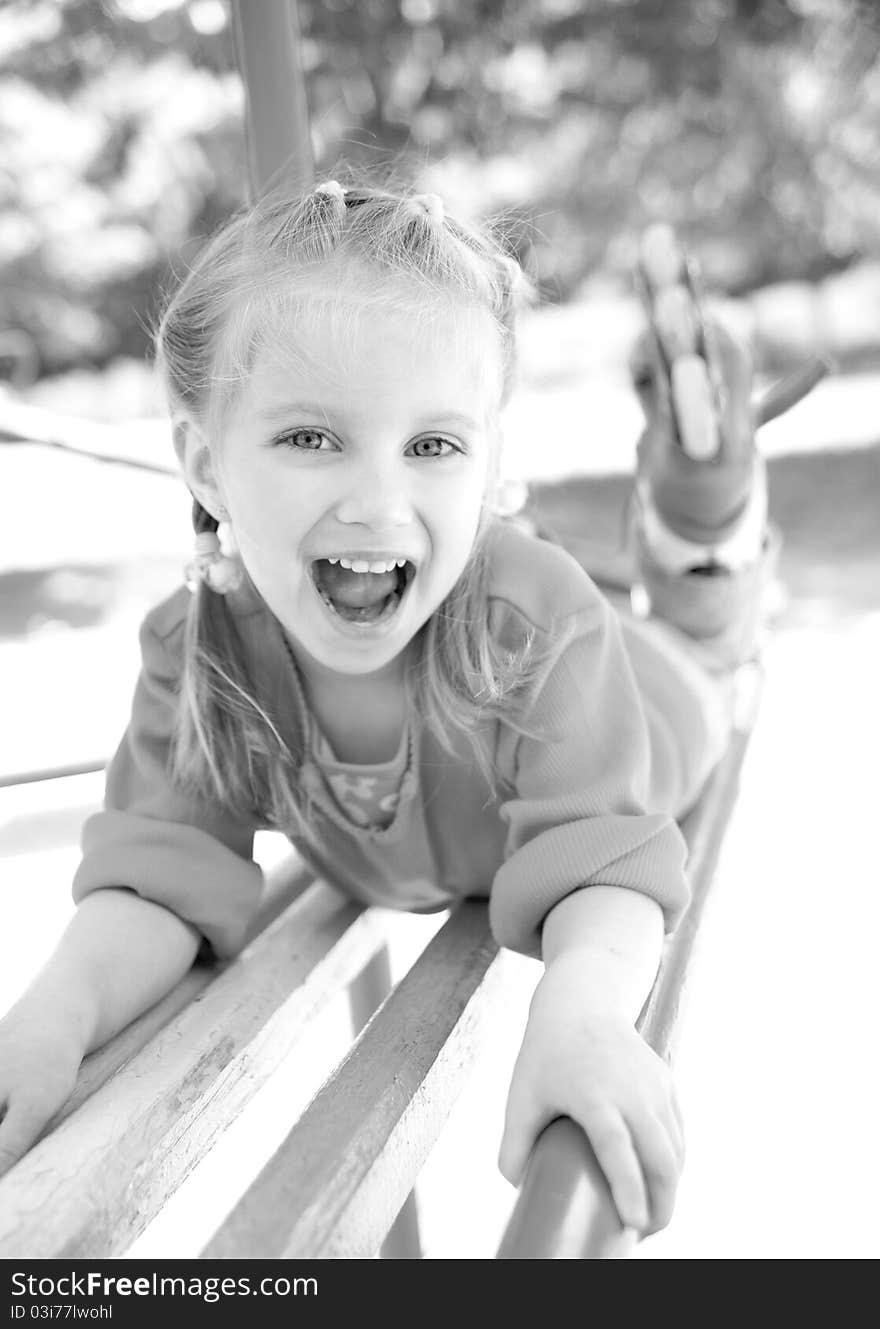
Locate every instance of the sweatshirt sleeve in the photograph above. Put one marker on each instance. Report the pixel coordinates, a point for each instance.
(150, 838)
(579, 813)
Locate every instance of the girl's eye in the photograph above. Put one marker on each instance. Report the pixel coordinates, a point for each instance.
(304, 440)
(433, 447)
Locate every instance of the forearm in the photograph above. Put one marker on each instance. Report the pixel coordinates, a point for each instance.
(118, 956)
(612, 939)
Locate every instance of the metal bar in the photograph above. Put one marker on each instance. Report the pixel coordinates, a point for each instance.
(788, 391)
(154, 468)
(704, 829)
(268, 53)
(22, 423)
(564, 1209)
(53, 773)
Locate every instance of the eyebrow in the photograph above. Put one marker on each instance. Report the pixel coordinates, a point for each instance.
(319, 411)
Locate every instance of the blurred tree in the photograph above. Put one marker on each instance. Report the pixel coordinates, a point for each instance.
(120, 137)
(751, 124)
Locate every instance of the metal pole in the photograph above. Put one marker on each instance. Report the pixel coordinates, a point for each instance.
(267, 50)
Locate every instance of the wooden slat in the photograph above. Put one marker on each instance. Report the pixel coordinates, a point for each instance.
(284, 885)
(336, 1183)
(267, 50)
(92, 1185)
(365, 996)
(564, 1209)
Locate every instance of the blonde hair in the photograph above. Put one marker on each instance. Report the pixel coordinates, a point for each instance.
(262, 266)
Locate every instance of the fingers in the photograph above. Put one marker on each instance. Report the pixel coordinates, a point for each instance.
(524, 1120)
(677, 1124)
(641, 1160)
(642, 1157)
(734, 367)
(649, 379)
(616, 1155)
(661, 1159)
(630, 1115)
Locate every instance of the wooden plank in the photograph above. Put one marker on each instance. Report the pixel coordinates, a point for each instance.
(336, 1183)
(267, 51)
(564, 1209)
(365, 996)
(285, 884)
(92, 1185)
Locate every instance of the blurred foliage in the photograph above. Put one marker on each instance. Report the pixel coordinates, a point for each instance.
(751, 124)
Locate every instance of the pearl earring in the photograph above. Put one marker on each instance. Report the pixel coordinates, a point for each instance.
(211, 566)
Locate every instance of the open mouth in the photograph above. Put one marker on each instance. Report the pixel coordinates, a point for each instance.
(361, 597)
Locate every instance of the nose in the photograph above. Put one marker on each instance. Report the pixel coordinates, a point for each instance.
(378, 497)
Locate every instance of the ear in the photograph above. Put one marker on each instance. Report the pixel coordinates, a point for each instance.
(197, 463)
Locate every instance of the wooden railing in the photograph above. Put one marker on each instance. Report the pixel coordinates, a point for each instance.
(150, 1105)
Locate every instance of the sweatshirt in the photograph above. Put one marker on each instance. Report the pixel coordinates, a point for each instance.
(587, 795)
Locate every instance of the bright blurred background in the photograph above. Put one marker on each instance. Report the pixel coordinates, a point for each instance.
(753, 127)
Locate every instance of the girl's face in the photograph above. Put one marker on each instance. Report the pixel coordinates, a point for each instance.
(354, 466)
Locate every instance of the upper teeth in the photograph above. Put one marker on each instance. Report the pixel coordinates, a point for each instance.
(361, 564)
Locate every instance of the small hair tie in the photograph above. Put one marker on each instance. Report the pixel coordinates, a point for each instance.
(433, 206)
(211, 566)
(333, 189)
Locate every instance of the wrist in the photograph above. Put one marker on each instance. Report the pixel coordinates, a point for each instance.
(62, 1003)
(606, 941)
(604, 986)
(624, 922)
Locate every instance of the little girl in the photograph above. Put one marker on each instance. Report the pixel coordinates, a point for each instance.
(431, 702)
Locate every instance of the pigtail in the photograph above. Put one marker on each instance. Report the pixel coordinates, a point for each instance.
(226, 747)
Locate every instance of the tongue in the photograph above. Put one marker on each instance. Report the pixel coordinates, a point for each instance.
(355, 590)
